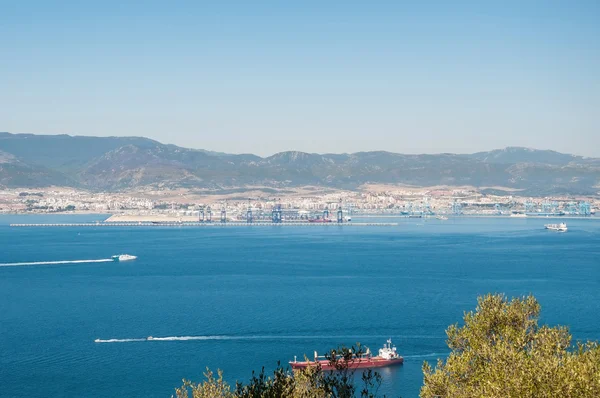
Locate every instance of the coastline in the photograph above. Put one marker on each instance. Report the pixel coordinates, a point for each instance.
(169, 218)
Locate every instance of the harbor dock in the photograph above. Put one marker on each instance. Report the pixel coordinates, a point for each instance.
(208, 224)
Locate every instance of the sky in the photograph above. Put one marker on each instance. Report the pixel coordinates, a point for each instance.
(316, 76)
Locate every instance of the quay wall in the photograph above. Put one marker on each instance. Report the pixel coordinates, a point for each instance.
(206, 224)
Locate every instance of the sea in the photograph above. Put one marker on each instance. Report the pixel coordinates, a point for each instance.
(240, 298)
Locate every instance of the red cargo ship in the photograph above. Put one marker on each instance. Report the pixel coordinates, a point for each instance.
(388, 356)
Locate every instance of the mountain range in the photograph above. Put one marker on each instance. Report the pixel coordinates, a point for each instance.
(125, 163)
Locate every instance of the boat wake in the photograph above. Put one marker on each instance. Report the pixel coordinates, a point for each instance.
(103, 260)
(433, 354)
(118, 340)
(253, 337)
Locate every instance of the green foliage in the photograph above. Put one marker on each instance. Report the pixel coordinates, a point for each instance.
(210, 388)
(262, 386)
(310, 382)
(371, 382)
(340, 383)
(501, 351)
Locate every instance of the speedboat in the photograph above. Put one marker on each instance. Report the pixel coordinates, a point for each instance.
(562, 227)
(123, 257)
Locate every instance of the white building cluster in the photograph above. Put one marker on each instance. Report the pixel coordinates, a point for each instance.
(386, 200)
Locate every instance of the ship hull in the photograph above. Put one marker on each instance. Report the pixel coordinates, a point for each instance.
(355, 364)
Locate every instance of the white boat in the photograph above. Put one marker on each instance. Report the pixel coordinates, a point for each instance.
(123, 257)
(562, 227)
(520, 215)
(444, 218)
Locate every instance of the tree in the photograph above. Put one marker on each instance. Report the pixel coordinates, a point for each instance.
(262, 386)
(501, 351)
(211, 388)
(310, 382)
(340, 383)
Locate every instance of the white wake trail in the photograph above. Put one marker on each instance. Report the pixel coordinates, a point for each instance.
(252, 337)
(104, 260)
(187, 338)
(117, 340)
(433, 354)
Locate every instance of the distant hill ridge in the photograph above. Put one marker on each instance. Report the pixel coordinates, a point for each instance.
(121, 163)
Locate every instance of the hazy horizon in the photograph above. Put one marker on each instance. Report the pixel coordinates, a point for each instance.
(341, 77)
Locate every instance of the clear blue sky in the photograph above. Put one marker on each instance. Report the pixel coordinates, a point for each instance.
(316, 76)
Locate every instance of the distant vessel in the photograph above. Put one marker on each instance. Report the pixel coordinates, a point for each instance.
(320, 220)
(149, 338)
(518, 215)
(123, 257)
(388, 356)
(562, 227)
(441, 217)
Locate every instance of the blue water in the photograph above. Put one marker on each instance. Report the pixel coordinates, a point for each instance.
(258, 295)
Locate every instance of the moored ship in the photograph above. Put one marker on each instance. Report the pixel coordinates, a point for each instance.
(562, 227)
(387, 356)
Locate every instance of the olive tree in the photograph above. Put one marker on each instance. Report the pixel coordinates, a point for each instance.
(502, 351)
(211, 387)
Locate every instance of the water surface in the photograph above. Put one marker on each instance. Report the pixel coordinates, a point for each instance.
(238, 298)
